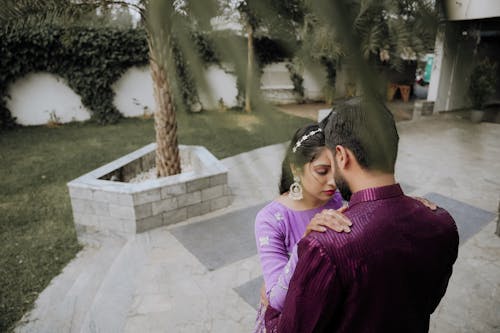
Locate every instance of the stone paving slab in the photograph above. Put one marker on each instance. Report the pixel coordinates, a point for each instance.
(176, 293)
(469, 219)
(250, 291)
(221, 240)
(472, 300)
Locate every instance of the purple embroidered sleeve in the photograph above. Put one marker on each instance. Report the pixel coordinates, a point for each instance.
(271, 248)
(278, 292)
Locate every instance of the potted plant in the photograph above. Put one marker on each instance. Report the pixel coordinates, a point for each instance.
(481, 87)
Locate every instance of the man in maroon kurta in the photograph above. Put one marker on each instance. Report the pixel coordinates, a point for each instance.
(391, 271)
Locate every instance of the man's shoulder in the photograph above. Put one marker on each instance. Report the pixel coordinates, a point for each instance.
(441, 222)
(330, 241)
(439, 218)
(373, 224)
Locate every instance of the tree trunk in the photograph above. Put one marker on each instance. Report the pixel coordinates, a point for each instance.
(248, 88)
(167, 151)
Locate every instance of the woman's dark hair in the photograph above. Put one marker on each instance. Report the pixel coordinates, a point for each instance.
(306, 152)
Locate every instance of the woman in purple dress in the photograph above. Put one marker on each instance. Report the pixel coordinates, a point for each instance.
(308, 201)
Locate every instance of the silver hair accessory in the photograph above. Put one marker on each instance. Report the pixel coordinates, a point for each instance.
(295, 192)
(304, 138)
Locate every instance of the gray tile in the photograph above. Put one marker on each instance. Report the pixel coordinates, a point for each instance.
(250, 291)
(469, 219)
(221, 240)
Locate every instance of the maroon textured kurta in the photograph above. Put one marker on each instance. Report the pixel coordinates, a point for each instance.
(387, 275)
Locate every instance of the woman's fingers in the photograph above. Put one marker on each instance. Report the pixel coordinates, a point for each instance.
(329, 218)
(317, 227)
(334, 223)
(338, 216)
(429, 204)
(342, 209)
(313, 226)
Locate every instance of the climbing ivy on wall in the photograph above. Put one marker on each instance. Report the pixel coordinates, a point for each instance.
(90, 59)
(297, 80)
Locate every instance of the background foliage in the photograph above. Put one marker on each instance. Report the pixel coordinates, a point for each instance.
(482, 83)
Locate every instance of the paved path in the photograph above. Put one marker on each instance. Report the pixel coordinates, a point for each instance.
(202, 275)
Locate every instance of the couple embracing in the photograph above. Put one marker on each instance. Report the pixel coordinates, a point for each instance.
(381, 263)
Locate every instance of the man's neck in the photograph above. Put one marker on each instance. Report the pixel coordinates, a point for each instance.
(370, 179)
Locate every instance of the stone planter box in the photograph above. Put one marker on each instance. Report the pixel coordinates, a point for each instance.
(103, 200)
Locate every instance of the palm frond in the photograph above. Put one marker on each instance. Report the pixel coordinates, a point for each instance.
(24, 13)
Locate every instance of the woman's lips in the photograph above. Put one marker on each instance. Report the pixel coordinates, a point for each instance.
(330, 192)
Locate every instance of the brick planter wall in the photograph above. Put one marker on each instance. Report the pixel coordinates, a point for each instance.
(100, 204)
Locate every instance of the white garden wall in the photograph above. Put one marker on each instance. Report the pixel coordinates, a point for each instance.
(221, 85)
(134, 92)
(314, 83)
(38, 95)
(277, 86)
(34, 97)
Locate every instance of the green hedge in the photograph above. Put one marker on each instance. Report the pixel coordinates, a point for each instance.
(91, 59)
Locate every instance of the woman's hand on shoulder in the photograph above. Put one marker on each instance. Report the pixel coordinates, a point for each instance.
(427, 203)
(329, 218)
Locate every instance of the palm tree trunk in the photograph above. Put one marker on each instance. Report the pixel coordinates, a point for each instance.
(249, 83)
(167, 150)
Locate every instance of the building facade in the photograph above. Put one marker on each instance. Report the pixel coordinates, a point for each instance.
(470, 33)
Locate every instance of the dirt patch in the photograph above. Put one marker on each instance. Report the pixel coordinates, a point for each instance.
(309, 111)
(247, 122)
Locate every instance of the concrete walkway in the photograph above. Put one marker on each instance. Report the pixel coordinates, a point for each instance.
(170, 279)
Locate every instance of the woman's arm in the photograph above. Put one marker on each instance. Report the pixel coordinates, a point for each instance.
(277, 294)
(277, 266)
(273, 254)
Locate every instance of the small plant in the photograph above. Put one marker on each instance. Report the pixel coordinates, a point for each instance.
(329, 93)
(222, 105)
(350, 89)
(297, 80)
(331, 78)
(54, 120)
(146, 113)
(482, 83)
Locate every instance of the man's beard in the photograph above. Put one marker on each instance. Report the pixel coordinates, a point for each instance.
(341, 183)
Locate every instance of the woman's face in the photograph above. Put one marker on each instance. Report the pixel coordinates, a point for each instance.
(317, 177)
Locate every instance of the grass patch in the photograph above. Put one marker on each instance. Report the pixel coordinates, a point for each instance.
(37, 234)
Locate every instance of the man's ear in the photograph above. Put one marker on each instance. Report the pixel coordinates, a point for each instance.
(342, 156)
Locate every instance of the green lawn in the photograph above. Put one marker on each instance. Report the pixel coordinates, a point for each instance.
(37, 236)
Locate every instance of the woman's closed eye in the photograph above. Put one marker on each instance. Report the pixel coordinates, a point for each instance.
(322, 171)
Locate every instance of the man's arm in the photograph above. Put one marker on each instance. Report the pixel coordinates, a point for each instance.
(309, 293)
(451, 253)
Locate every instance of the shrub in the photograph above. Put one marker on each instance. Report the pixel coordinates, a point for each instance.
(482, 82)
